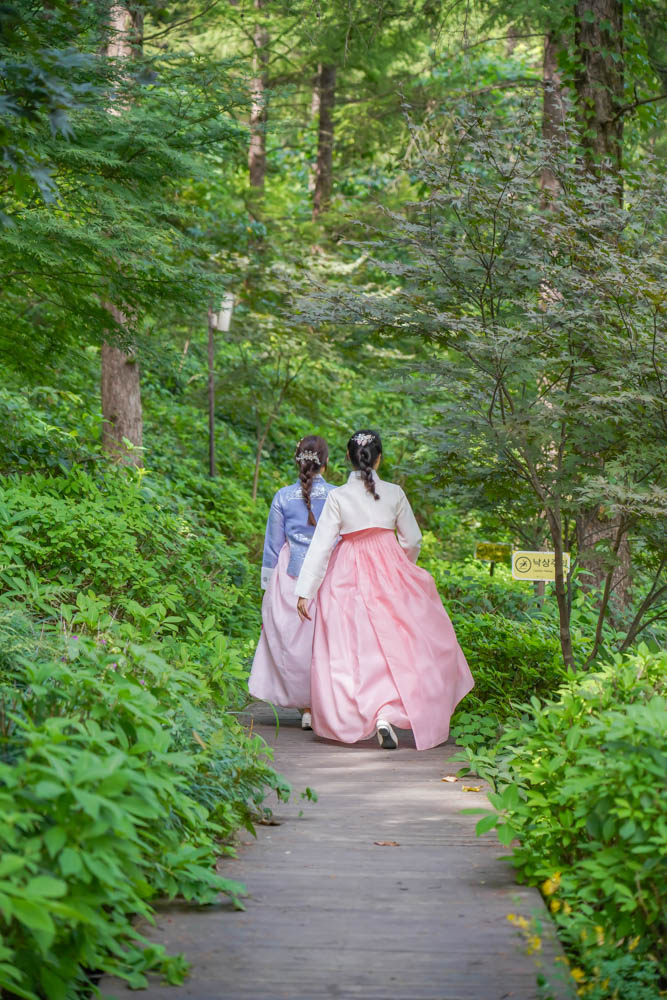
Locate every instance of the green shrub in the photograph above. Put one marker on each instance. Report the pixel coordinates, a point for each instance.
(510, 660)
(467, 588)
(45, 428)
(510, 640)
(579, 781)
(121, 779)
(118, 534)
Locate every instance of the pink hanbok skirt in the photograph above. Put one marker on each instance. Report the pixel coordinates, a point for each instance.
(383, 647)
(281, 669)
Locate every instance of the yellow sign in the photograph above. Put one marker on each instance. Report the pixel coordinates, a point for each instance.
(537, 565)
(493, 551)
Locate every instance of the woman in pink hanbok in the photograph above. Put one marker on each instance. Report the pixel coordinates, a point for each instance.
(384, 650)
(281, 667)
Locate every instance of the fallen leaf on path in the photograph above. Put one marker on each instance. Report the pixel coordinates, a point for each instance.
(472, 788)
(386, 843)
(449, 777)
(268, 822)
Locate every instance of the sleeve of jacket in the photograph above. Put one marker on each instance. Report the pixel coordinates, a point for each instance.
(274, 539)
(324, 541)
(407, 529)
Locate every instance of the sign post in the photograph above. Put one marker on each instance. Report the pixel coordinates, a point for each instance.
(537, 565)
(217, 320)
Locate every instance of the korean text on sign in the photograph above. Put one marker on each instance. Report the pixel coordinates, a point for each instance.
(537, 565)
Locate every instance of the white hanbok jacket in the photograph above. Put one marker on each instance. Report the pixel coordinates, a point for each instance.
(352, 508)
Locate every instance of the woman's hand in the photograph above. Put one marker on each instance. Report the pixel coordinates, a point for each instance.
(302, 608)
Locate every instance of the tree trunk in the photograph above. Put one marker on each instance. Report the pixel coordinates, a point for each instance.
(326, 88)
(599, 83)
(120, 385)
(127, 30)
(258, 115)
(314, 117)
(560, 587)
(258, 459)
(593, 528)
(599, 79)
(121, 402)
(553, 114)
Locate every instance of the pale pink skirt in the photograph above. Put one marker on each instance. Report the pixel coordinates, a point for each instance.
(383, 647)
(281, 667)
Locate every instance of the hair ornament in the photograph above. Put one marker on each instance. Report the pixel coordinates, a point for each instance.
(363, 439)
(308, 456)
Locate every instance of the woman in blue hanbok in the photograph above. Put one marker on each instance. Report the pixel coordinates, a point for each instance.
(281, 668)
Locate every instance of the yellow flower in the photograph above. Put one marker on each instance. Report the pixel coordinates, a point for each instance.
(599, 934)
(533, 943)
(550, 885)
(567, 908)
(578, 975)
(554, 905)
(633, 943)
(517, 921)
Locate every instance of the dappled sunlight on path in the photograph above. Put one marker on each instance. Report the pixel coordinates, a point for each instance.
(333, 914)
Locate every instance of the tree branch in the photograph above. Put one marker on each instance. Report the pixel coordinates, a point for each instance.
(652, 596)
(177, 24)
(638, 104)
(502, 38)
(622, 528)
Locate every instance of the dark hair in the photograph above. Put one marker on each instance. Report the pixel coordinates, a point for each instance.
(312, 452)
(364, 448)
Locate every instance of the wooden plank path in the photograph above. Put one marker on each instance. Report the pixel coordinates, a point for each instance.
(332, 915)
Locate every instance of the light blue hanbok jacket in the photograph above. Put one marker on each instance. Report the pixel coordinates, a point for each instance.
(288, 522)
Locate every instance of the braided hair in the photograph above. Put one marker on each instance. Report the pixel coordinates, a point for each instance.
(364, 449)
(312, 453)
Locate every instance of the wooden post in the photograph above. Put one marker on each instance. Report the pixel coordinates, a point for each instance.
(211, 395)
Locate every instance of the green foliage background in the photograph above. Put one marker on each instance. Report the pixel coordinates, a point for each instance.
(129, 598)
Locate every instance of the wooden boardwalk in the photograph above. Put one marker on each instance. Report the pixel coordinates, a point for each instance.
(331, 914)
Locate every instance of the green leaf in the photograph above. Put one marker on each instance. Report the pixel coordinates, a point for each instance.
(48, 789)
(70, 862)
(627, 830)
(46, 886)
(8, 982)
(10, 863)
(510, 797)
(55, 988)
(55, 839)
(505, 834)
(33, 916)
(486, 824)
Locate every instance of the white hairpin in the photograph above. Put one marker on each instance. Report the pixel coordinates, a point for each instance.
(363, 439)
(308, 456)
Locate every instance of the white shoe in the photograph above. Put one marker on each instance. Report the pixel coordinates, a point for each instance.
(306, 721)
(387, 738)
